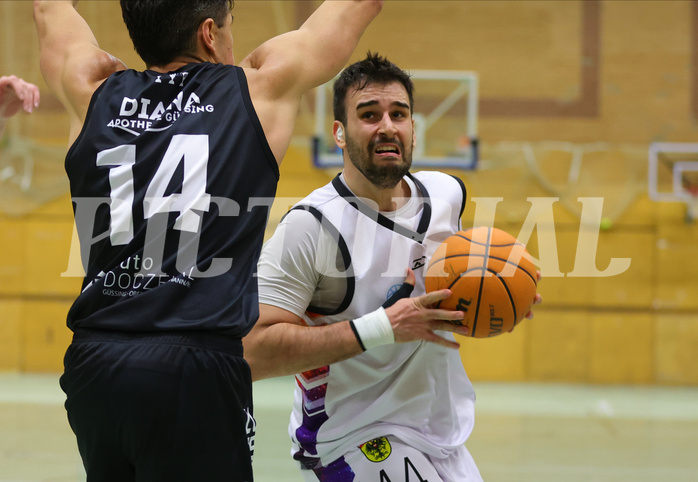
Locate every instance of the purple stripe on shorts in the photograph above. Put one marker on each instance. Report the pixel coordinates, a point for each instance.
(337, 471)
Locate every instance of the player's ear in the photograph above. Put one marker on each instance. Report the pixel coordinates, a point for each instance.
(339, 134)
(414, 135)
(206, 36)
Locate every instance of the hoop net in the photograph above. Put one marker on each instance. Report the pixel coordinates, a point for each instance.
(31, 174)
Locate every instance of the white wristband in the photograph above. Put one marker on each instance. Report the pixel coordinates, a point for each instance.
(373, 329)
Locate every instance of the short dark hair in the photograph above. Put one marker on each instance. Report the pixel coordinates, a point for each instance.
(162, 30)
(374, 69)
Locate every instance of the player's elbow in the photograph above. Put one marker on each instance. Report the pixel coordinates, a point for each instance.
(259, 369)
(39, 9)
(253, 358)
(41, 13)
(255, 371)
(372, 7)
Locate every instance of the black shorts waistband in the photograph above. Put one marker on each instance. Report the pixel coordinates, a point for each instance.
(210, 341)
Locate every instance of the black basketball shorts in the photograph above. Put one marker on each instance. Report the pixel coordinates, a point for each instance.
(174, 407)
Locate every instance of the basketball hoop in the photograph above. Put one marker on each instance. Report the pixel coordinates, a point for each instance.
(31, 174)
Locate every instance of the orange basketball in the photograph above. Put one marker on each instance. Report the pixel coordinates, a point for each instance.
(491, 277)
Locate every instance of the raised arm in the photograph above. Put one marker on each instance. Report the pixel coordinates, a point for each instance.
(71, 61)
(312, 55)
(282, 69)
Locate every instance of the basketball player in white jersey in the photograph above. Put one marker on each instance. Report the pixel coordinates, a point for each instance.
(381, 391)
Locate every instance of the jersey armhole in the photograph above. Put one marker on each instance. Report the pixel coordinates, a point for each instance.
(346, 259)
(465, 193)
(249, 107)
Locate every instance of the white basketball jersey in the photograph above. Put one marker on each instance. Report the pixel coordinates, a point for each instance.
(417, 391)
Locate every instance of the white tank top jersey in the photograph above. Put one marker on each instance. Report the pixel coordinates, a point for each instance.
(348, 265)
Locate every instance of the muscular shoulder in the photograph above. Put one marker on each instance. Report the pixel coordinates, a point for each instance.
(80, 79)
(82, 75)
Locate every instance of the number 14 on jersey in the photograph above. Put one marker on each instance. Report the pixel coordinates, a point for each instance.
(193, 199)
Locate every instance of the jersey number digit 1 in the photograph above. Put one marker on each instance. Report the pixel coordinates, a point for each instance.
(122, 158)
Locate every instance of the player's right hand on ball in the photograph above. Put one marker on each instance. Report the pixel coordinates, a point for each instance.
(415, 319)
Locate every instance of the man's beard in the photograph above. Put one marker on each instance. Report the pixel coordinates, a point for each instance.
(381, 176)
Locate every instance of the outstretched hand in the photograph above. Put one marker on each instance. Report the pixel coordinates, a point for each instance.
(415, 318)
(15, 95)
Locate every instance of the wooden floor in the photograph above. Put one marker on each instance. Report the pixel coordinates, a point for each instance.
(542, 433)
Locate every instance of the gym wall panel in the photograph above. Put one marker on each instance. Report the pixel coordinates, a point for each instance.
(558, 344)
(46, 335)
(556, 287)
(642, 212)
(51, 123)
(58, 210)
(11, 349)
(631, 288)
(676, 348)
(501, 358)
(46, 252)
(672, 214)
(298, 176)
(676, 274)
(646, 82)
(11, 257)
(622, 348)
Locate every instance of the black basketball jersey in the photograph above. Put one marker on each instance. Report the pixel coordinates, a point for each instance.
(172, 179)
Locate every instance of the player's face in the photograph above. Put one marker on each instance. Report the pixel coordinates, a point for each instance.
(380, 132)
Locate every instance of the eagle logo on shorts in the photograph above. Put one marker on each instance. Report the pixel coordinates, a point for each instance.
(377, 450)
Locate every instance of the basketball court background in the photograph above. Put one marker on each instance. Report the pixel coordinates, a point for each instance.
(571, 95)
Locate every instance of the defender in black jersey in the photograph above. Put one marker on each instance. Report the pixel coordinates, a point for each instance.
(172, 171)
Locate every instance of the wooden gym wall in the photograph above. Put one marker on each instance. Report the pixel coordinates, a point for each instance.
(625, 73)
